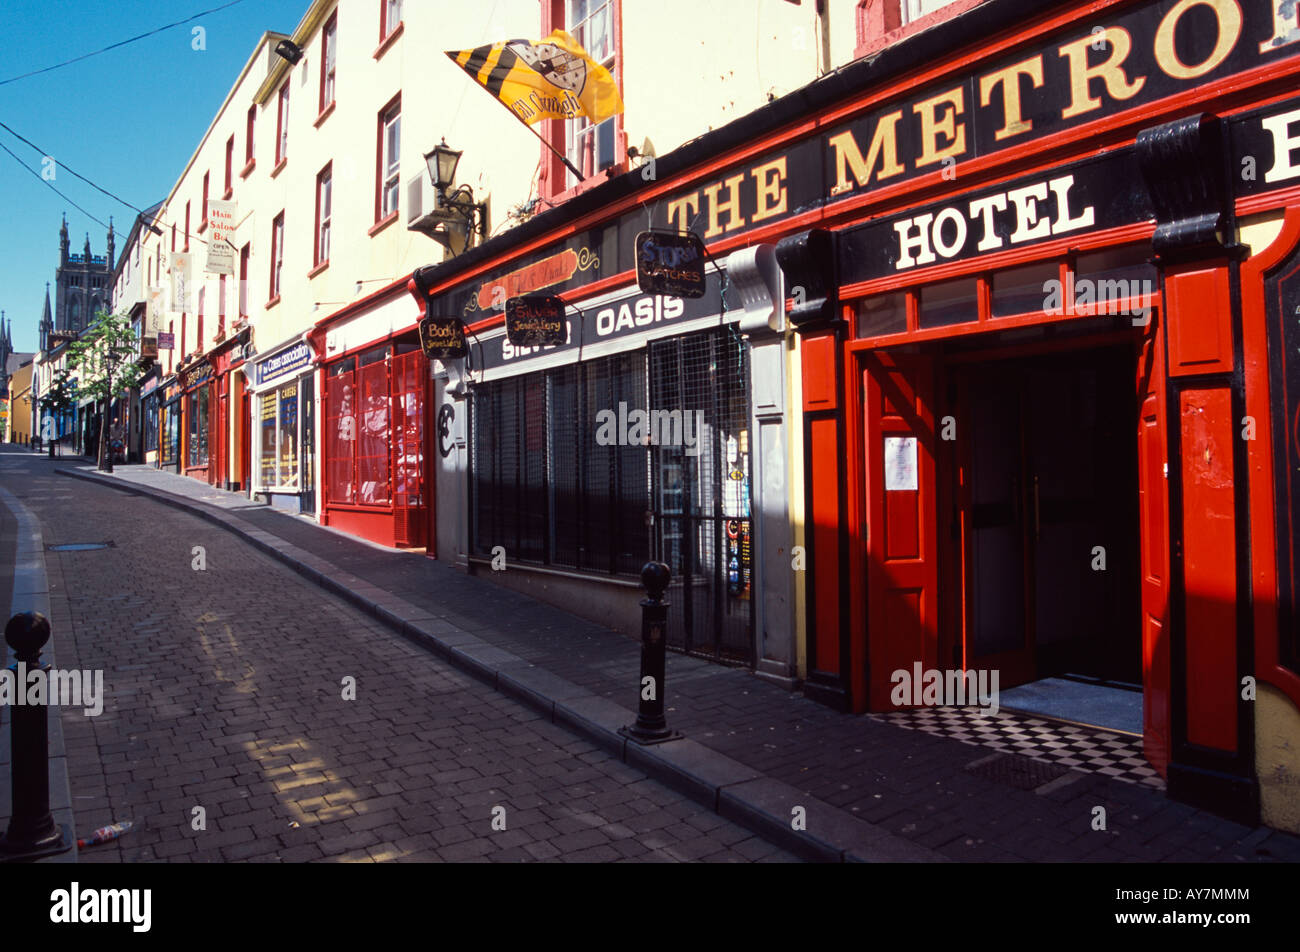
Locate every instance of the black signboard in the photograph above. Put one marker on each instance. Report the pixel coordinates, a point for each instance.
(670, 263)
(442, 338)
(1102, 192)
(536, 320)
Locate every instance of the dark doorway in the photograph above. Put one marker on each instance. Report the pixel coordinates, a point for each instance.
(1047, 487)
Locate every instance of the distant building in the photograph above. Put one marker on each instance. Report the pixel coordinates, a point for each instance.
(82, 286)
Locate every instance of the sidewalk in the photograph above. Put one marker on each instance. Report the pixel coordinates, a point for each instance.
(871, 790)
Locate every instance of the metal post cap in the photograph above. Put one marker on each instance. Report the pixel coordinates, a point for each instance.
(27, 633)
(655, 576)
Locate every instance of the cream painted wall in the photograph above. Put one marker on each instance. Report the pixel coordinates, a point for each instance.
(692, 66)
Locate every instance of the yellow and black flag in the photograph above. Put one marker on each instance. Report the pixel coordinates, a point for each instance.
(551, 79)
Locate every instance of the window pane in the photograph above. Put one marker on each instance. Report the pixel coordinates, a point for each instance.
(268, 449)
(340, 436)
(1130, 263)
(882, 314)
(605, 145)
(1022, 290)
(288, 455)
(372, 449)
(952, 302)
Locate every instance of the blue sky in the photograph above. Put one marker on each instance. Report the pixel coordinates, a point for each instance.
(128, 119)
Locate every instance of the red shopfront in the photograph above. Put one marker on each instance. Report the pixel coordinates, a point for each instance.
(198, 410)
(1045, 389)
(373, 480)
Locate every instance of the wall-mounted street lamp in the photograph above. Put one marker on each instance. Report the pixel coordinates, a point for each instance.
(288, 49)
(456, 208)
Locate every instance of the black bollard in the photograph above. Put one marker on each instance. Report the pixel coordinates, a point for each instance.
(32, 831)
(651, 726)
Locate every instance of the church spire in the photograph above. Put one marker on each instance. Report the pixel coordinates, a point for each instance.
(63, 242)
(111, 262)
(47, 323)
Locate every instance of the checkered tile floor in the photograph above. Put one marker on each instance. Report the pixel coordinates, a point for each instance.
(1081, 748)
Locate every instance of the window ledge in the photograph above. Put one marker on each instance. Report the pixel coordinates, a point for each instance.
(389, 40)
(279, 166)
(592, 181)
(252, 164)
(227, 196)
(319, 268)
(271, 303)
(325, 114)
(383, 223)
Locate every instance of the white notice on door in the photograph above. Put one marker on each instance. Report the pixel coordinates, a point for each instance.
(900, 462)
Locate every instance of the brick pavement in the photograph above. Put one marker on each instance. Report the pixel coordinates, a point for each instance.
(225, 691)
(908, 783)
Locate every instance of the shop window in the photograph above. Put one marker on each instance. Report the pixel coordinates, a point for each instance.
(950, 302)
(279, 460)
(1129, 264)
(341, 433)
(372, 434)
(882, 314)
(1024, 290)
(197, 413)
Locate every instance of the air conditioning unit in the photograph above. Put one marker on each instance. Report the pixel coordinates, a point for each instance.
(424, 213)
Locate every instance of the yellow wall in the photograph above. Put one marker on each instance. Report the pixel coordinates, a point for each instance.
(1277, 758)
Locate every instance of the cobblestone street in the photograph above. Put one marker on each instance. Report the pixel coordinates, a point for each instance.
(225, 675)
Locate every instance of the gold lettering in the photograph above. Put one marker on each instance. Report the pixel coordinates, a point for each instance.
(1013, 123)
(731, 206)
(1228, 16)
(769, 180)
(681, 211)
(884, 148)
(932, 126)
(1111, 72)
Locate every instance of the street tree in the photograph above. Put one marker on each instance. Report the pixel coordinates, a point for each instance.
(104, 359)
(58, 399)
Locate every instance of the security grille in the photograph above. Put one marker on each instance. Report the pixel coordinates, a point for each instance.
(545, 489)
(702, 493)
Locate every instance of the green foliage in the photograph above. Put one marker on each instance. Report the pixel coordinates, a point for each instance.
(61, 394)
(104, 357)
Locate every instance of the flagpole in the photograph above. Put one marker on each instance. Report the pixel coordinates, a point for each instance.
(560, 155)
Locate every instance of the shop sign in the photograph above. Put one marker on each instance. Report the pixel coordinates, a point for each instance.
(551, 270)
(1099, 193)
(221, 228)
(196, 375)
(149, 386)
(284, 362)
(670, 263)
(629, 315)
(166, 341)
(442, 338)
(535, 321)
(181, 264)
